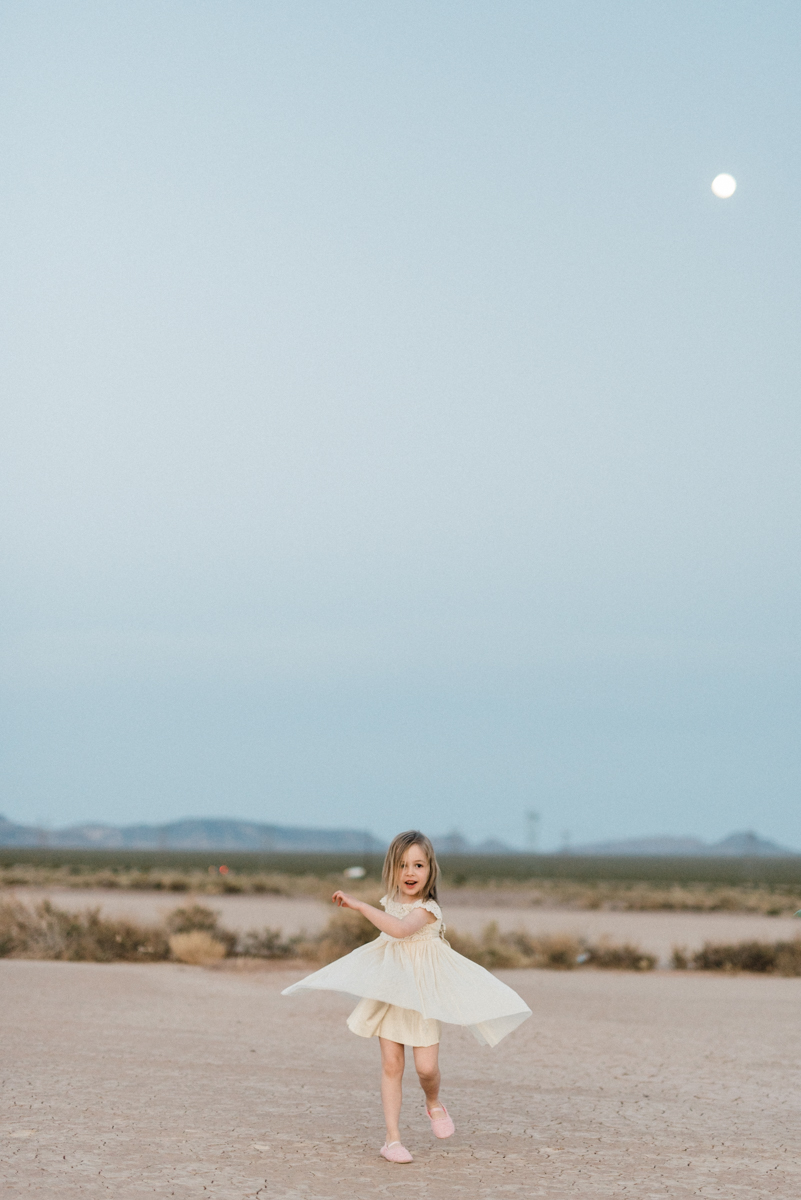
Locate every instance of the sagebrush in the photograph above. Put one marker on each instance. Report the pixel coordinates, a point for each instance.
(561, 952)
(48, 932)
(762, 958)
(193, 934)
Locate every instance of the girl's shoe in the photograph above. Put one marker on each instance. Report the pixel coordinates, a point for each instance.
(395, 1152)
(441, 1125)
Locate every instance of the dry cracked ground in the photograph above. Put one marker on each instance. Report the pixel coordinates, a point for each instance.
(129, 1081)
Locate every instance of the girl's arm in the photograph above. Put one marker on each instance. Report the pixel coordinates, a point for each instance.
(394, 926)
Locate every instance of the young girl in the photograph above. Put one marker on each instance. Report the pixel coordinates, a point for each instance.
(411, 980)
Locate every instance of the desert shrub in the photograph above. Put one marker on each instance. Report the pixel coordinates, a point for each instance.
(345, 931)
(741, 956)
(492, 950)
(49, 933)
(556, 952)
(232, 886)
(267, 887)
(196, 918)
(764, 958)
(197, 947)
(266, 943)
(138, 882)
(788, 957)
(192, 934)
(496, 950)
(620, 958)
(15, 921)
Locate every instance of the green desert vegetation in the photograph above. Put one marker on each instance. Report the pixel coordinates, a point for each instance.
(770, 890)
(457, 870)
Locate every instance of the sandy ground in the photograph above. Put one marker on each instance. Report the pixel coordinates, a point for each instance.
(656, 932)
(131, 1081)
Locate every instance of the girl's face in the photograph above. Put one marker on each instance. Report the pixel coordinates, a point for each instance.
(413, 873)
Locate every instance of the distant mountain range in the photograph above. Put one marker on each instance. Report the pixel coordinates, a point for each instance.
(736, 845)
(454, 843)
(209, 833)
(198, 833)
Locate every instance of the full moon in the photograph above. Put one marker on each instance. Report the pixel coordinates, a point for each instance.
(723, 186)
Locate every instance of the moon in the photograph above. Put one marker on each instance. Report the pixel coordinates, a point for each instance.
(723, 186)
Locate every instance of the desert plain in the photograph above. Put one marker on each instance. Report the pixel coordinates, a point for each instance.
(128, 1080)
(138, 1080)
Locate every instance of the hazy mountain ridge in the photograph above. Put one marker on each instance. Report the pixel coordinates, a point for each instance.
(221, 833)
(193, 833)
(737, 845)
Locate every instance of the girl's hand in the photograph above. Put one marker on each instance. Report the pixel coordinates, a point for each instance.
(394, 926)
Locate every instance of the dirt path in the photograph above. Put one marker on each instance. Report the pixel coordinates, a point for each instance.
(132, 1081)
(656, 932)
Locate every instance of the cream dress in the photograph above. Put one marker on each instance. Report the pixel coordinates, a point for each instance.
(408, 986)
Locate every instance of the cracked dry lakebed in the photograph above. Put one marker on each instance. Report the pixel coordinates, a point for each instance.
(166, 1080)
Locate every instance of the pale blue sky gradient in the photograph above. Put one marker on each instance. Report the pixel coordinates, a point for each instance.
(396, 430)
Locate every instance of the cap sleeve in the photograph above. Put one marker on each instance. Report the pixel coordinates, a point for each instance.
(383, 901)
(431, 906)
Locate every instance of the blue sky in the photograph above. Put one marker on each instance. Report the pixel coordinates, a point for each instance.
(395, 428)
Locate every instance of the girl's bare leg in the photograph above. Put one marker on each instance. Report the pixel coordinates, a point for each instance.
(393, 1060)
(426, 1060)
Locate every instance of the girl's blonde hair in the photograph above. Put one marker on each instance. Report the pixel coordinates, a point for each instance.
(392, 863)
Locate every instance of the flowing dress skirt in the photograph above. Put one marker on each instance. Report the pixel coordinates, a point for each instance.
(421, 973)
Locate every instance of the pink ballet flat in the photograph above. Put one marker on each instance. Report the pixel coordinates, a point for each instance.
(395, 1152)
(442, 1126)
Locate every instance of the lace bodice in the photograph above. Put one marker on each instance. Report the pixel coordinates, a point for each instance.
(432, 929)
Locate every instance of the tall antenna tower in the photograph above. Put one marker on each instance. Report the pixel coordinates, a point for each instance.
(532, 832)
